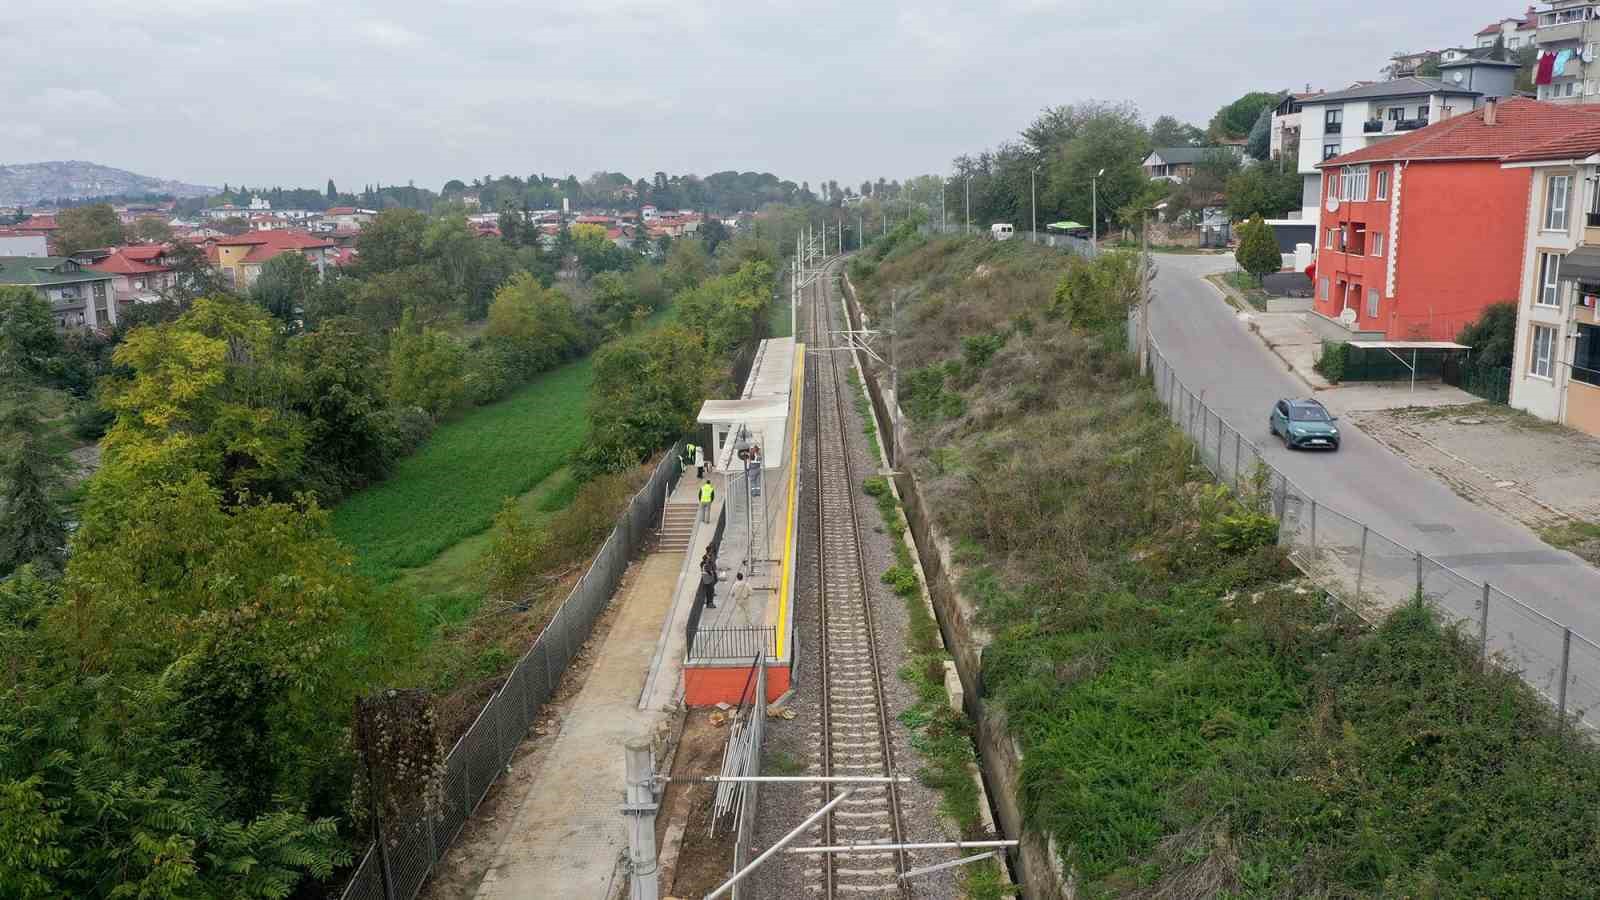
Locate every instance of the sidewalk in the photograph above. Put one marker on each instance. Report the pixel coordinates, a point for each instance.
(1536, 472)
(568, 837)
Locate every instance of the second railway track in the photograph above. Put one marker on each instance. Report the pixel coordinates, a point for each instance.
(855, 721)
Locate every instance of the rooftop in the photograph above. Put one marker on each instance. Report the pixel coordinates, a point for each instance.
(44, 270)
(1412, 86)
(1174, 156)
(1520, 124)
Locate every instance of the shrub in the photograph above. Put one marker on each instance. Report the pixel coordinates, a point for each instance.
(1258, 251)
(1334, 358)
(978, 349)
(647, 388)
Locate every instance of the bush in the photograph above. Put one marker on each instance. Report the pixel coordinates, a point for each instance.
(1258, 251)
(1491, 338)
(1333, 360)
(978, 349)
(647, 389)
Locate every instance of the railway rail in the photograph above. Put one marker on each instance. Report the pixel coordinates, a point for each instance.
(855, 720)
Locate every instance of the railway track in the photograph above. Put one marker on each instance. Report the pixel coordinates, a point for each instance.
(855, 720)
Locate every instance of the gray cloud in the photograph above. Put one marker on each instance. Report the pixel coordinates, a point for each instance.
(296, 91)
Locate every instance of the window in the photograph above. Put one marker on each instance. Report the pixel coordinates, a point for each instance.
(1539, 361)
(1377, 243)
(1382, 189)
(1512, 44)
(1333, 120)
(1372, 303)
(1344, 239)
(1331, 233)
(1395, 113)
(1555, 202)
(1422, 113)
(1324, 288)
(1586, 356)
(1330, 150)
(1549, 280)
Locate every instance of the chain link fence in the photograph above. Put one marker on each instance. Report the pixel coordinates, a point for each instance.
(1369, 572)
(397, 869)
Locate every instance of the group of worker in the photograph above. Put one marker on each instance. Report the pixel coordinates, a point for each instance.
(694, 455)
(709, 579)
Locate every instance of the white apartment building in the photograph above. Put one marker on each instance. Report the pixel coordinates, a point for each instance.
(1344, 121)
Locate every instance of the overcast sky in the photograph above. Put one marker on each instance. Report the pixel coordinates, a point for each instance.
(292, 92)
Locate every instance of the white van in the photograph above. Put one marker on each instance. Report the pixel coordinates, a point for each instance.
(1001, 231)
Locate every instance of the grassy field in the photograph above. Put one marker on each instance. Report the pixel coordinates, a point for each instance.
(450, 489)
(1197, 721)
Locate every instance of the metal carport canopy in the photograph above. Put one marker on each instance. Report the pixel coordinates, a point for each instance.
(1409, 345)
(1582, 264)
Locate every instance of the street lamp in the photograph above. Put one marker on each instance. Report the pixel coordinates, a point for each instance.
(1033, 194)
(1094, 214)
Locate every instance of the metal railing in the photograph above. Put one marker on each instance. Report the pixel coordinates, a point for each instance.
(483, 752)
(1368, 572)
(741, 758)
(732, 642)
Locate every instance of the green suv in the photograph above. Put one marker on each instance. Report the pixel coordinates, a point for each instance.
(1303, 424)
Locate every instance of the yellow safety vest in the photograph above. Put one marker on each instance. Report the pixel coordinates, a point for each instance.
(706, 493)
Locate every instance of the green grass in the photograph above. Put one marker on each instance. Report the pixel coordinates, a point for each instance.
(450, 489)
(1247, 286)
(1582, 538)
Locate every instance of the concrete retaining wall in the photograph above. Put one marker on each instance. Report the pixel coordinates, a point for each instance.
(1036, 863)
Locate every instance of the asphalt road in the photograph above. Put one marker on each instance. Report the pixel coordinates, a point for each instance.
(1212, 351)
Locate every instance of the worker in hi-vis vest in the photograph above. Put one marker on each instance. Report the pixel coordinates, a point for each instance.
(706, 493)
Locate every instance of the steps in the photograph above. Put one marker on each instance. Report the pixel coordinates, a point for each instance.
(677, 528)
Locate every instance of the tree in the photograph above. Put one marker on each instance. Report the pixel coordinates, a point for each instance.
(392, 240)
(1259, 143)
(647, 388)
(193, 276)
(33, 528)
(28, 336)
(87, 227)
(1258, 251)
(1263, 191)
(332, 192)
(1112, 140)
(1167, 131)
(1234, 120)
(152, 230)
(339, 392)
(284, 288)
(426, 368)
(688, 264)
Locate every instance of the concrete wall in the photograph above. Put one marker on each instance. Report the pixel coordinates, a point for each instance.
(1036, 863)
(33, 245)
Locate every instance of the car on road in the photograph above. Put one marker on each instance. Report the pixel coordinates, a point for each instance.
(1304, 424)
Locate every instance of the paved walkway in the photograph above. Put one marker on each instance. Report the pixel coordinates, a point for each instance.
(568, 835)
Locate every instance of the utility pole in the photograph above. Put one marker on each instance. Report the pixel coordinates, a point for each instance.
(894, 384)
(1094, 216)
(1033, 195)
(969, 205)
(639, 810)
(944, 220)
(1144, 293)
(861, 230)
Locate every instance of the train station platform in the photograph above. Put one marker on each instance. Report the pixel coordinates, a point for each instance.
(755, 446)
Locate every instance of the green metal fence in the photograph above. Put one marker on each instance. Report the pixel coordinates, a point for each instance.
(1490, 384)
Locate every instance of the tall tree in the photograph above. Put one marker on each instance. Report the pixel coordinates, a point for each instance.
(1259, 143)
(152, 229)
(1167, 131)
(33, 528)
(86, 227)
(1234, 120)
(333, 192)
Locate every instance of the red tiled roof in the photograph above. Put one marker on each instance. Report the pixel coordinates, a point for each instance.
(132, 261)
(267, 244)
(340, 211)
(1520, 123)
(38, 223)
(1575, 144)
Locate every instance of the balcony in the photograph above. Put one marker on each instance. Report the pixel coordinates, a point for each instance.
(1372, 126)
(1410, 124)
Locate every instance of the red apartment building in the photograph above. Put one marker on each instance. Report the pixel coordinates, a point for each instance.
(1423, 230)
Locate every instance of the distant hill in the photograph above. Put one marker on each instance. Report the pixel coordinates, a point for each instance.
(25, 183)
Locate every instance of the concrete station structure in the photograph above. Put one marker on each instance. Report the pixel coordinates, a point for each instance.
(758, 532)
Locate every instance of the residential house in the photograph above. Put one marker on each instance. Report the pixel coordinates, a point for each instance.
(38, 224)
(1568, 44)
(340, 218)
(139, 273)
(1286, 122)
(1350, 120)
(1555, 369)
(78, 297)
(1423, 231)
(1514, 33)
(241, 257)
(17, 243)
(1176, 164)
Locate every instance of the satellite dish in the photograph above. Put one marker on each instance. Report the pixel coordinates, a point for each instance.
(1347, 316)
(1457, 76)
(1333, 203)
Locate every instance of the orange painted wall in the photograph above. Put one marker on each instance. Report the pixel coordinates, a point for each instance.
(710, 685)
(1460, 246)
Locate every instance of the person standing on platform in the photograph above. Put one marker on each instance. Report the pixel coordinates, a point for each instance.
(699, 461)
(708, 580)
(707, 493)
(741, 592)
(688, 455)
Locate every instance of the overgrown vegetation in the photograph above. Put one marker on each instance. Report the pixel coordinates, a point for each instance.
(1333, 359)
(1195, 720)
(1487, 369)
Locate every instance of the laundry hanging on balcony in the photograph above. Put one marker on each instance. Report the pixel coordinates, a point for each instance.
(1547, 64)
(1560, 67)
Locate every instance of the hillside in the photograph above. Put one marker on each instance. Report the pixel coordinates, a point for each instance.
(24, 183)
(1195, 719)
